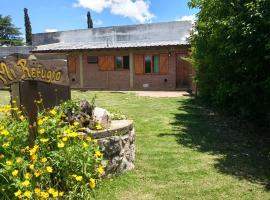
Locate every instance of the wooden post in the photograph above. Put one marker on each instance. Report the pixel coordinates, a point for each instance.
(131, 71)
(81, 70)
(27, 92)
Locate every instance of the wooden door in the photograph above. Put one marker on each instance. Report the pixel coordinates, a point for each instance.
(183, 73)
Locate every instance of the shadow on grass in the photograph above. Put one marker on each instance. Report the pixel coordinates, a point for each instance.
(244, 155)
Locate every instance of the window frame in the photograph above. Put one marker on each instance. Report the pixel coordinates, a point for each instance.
(92, 56)
(152, 64)
(122, 67)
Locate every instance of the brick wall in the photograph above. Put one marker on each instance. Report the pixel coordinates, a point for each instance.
(155, 81)
(94, 78)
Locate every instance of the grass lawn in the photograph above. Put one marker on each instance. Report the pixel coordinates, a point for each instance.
(183, 152)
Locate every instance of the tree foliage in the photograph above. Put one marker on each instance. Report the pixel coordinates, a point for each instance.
(89, 20)
(9, 34)
(231, 50)
(28, 28)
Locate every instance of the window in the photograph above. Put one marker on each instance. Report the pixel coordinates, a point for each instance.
(151, 64)
(92, 59)
(122, 62)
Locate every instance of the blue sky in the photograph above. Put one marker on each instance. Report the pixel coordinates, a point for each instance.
(50, 15)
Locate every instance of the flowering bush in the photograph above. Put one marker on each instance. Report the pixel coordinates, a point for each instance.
(63, 163)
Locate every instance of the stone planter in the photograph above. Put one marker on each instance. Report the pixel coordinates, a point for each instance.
(118, 146)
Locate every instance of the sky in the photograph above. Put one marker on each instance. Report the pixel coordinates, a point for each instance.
(61, 15)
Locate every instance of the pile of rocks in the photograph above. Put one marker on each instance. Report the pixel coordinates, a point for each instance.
(88, 116)
(116, 139)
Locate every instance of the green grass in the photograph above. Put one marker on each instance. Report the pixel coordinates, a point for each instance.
(184, 152)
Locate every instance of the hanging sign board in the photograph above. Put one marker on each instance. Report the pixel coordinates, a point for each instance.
(49, 71)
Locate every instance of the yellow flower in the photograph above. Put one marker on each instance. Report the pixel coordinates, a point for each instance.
(15, 173)
(26, 183)
(79, 178)
(51, 190)
(22, 118)
(72, 134)
(18, 193)
(34, 158)
(60, 145)
(98, 127)
(37, 191)
(1, 156)
(53, 112)
(19, 160)
(37, 173)
(9, 163)
(100, 169)
(55, 194)
(97, 154)
(92, 183)
(44, 195)
(61, 194)
(44, 160)
(4, 132)
(40, 122)
(32, 167)
(6, 145)
(27, 194)
(76, 124)
(42, 131)
(27, 176)
(85, 145)
(49, 169)
(33, 150)
(64, 139)
(44, 140)
(88, 139)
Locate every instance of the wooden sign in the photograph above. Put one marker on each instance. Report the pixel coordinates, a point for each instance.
(31, 79)
(49, 71)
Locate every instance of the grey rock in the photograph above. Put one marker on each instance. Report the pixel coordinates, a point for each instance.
(102, 117)
(86, 107)
(119, 152)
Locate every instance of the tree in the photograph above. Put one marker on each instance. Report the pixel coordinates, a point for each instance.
(9, 34)
(89, 20)
(28, 28)
(231, 50)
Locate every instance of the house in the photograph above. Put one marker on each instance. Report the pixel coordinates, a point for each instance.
(134, 57)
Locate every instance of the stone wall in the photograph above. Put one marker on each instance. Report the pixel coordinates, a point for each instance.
(118, 146)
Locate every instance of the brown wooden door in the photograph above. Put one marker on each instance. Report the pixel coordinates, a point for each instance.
(183, 73)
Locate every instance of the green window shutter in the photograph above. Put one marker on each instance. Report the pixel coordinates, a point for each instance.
(156, 64)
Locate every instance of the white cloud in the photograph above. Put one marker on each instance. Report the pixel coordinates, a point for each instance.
(137, 10)
(95, 5)
(98, 22)
(49, 30)
(187, 18)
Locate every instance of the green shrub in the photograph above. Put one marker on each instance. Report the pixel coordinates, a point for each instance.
(231, 50)
(63, 163)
